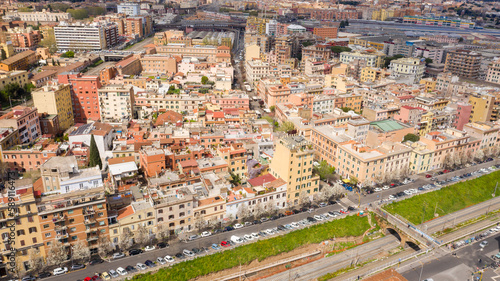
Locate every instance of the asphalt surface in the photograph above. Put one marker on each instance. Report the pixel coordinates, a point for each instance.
(461, 267)
(177, 246)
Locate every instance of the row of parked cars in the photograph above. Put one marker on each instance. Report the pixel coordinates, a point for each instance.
(234, 240)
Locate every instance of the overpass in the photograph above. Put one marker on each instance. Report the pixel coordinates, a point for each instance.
(407, 233)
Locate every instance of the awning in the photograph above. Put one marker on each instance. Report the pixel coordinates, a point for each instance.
(346, 180)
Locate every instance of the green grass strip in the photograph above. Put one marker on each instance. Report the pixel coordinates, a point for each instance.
(260, 250)
(420, 208)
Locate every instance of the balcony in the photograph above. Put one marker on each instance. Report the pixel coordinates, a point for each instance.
(89, 221)
(60, 227)
(88, 211)
(59, 218)
(62, 236)
(92, 238)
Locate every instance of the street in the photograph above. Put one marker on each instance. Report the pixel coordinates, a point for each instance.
(177, 246)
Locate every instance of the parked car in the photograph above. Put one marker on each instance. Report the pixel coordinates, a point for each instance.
(264, 219)
(141, 266)
(428, 176)
(130, 268)
(205, 234)
(228, 228)
(193, 237)
(162, 245)
(483, 244)
(113, 274)
(96, 261)
(188, 253)
(77, 266)
(44, 275)
(134, 252)
(118, 255)
(149, 248)
(150, 263)
(215, 247)
(323, 204)
(121, 271)
(105, 276)
(160, 260)
(179, 256)
(238, 225)
(60, 270)
(28, 278)
(224, 244)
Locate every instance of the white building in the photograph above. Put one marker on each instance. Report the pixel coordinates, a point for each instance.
(130, 9)
(408, 68)
(347, 57)
(103, 136)
(61, 175)
(80, 37)
(256, 70)
(265, 196)
(116, 102)
(42, 16)
(324, 104)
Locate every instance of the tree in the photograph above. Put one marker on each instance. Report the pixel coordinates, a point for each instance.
(354, 180)
(389, 59)
(307, 43)
(4, 54)
(272, 108)
(57, 253)
(342, 24)
(95, 157)
(162, 231)
(80, 251)
(428, 61)
(141, 236)
(286, 127)
(411, 137)
(270, 207)
(105, 246)
(258, 210)
(304, 199)
(235, 179)
(36, 262)
(200, 222)
(448, 161)
(78, 14)
(346, 109)
(339, 49)
(125, 239)
(324, 170)
(479, 155)
(243, 212)
(68, 54)
(204, 80)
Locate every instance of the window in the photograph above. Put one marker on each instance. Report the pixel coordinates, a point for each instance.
(45, 226)
(74, 237)
(101, 223)
(47, 235)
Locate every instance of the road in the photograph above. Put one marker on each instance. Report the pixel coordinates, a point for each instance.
(459, 268)
(333, 263)
(177, 246)
(140, 46)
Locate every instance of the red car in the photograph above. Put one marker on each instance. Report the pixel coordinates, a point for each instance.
(428, 176)
(224, 244)
(446, 171)
(344, 211)
(87, 279)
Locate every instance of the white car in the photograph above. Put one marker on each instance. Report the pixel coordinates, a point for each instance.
(319, 218)
(295, 225)
(385, 187)
(269, 231)
(205, 234)
(149, 248)
(255, 235)
(248, 237)
(160, 260)
(407, 192)
(188, 253)
(378, 189)
(238, 225)
(59, 271)
(169, 259)
(141, 266)
(237, 239)
(121, 271)
(391, 197)
(327, 215)
(483, 244)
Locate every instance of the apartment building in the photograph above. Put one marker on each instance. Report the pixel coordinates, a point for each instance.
(446, 143)
(326, 32)
(298, 152)
(235, 156)
(137, 215)
(116, 102)
(277, 94)
(493, 74)
(43, 16)
(408, 68)
(73, 217)
(8, 137)
(25, 120)
(20, 61)
(55, 99)
(174, 208)
(25, 220)
(256, 70)
(485, 107)
(13, 77)
(485, 132)
(153, 161)
(370, 59)
(159, 64)
(263, 41)
(129, 9)
(24, 38)
(146, 103)
(203, 53)
(80, 37)
(85, 98)
(463, 63)
(258, 25)
(318, 51)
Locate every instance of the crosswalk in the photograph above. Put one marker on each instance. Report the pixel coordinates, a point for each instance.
(346, 202)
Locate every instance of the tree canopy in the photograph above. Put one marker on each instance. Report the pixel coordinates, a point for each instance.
(411, 137)
(95, 157)
(324, 170)
(68, 54)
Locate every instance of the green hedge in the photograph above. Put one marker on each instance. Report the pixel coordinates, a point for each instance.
(448, 199)
(349, 226)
